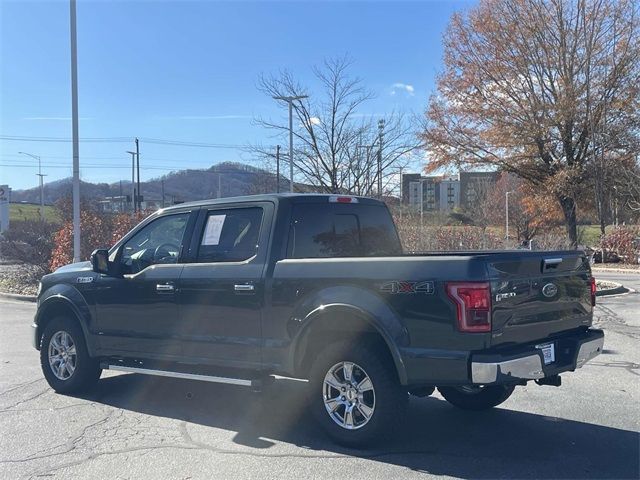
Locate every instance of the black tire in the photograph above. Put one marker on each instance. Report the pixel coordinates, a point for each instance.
(476, 398)
(86, 371)
(390, 398)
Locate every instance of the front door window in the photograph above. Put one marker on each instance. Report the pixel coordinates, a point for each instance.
(159, 242)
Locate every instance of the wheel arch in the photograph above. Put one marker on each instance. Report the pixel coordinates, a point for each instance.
(59, 305)
(338, 321)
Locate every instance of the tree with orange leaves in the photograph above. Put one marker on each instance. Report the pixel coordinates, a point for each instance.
(529, 211)
(539, 88)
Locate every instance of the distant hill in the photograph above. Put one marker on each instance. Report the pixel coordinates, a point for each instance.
(183, 185)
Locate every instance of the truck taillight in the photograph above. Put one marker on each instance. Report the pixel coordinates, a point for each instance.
(473, 303)
(593, 292)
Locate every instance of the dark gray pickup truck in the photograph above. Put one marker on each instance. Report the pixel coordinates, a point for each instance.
(316, 287)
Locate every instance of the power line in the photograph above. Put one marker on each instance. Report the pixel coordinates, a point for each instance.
(176, 165)
(157, 141)
(93, 165)
(64, 156)
(157, 160)
(62, 139)
(180, 143)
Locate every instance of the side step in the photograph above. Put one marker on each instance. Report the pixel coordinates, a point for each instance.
(256, 384)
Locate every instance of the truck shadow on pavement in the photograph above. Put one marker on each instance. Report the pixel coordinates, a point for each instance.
(434, 437)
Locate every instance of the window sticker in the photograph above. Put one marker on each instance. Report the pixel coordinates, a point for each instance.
(213, 229)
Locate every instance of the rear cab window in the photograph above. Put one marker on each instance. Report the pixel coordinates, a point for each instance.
(339, 230)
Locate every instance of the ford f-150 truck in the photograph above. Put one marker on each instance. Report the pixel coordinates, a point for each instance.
(316, 287)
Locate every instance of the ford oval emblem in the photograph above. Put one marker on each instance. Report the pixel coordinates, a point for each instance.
(549, 290)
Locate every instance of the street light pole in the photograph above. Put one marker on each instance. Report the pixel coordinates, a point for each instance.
(290, 101)
(380, 143)
(400, 170)
(421, 206)
(74, 128)
(41, 175)
(368, 182)
(277, 168)
(506, 208)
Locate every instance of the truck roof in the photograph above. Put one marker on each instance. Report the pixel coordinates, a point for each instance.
(276, 197)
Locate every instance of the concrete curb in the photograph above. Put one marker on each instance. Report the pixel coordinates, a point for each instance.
(18, 297)
(617, 290)
(615, 270)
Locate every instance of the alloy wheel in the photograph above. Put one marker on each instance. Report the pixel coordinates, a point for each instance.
(349, 396)
(62, 355)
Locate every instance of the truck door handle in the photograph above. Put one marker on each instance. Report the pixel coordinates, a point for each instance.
(243, 287)
(165, 288)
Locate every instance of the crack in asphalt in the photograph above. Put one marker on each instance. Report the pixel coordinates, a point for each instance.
(189, 444)
(608, 319)
(629, 366)
(25, 400)
(21, 385)
(70, 444)
(49, 409)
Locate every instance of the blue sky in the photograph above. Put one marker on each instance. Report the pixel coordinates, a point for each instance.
(188, 71)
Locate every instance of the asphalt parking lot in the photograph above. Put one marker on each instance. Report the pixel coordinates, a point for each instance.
(133, 426)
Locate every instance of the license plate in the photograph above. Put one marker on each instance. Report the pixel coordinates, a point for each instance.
(548, 352)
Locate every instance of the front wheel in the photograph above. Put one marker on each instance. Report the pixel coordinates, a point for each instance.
(476, 397)
(355, 393)
(64, 357)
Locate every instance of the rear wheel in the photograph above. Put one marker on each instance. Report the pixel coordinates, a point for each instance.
(64, 357)
(355, 393)
(476, 397)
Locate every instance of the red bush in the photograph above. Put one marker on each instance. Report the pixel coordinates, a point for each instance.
(97, 230)
(621, 243)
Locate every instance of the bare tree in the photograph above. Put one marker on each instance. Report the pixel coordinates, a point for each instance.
(337, 148)
(528, 82)
(629, 186)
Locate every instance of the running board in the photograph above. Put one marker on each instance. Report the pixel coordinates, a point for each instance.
(188, 376)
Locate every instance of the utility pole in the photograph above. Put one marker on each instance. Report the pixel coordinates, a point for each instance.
(41, 182)
(162, 185)
(133, 182)
(277, 168)
(290, 101)
(74, 128)
(138, 167)
(219, 183)
(380, 143)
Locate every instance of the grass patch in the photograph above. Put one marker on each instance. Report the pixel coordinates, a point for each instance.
(590, 234)
(19, 212)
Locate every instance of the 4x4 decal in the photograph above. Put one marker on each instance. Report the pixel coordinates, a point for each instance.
(401, 286)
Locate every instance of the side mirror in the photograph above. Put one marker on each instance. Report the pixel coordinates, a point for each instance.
(100, 261)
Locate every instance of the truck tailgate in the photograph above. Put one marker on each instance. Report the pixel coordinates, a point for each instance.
(538, 295)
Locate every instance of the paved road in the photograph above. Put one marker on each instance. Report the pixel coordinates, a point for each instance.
(142, 427)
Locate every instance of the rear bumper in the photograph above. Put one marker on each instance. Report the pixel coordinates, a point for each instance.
(526, 362)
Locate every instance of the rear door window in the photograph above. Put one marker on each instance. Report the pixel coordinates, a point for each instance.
(230, 235)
